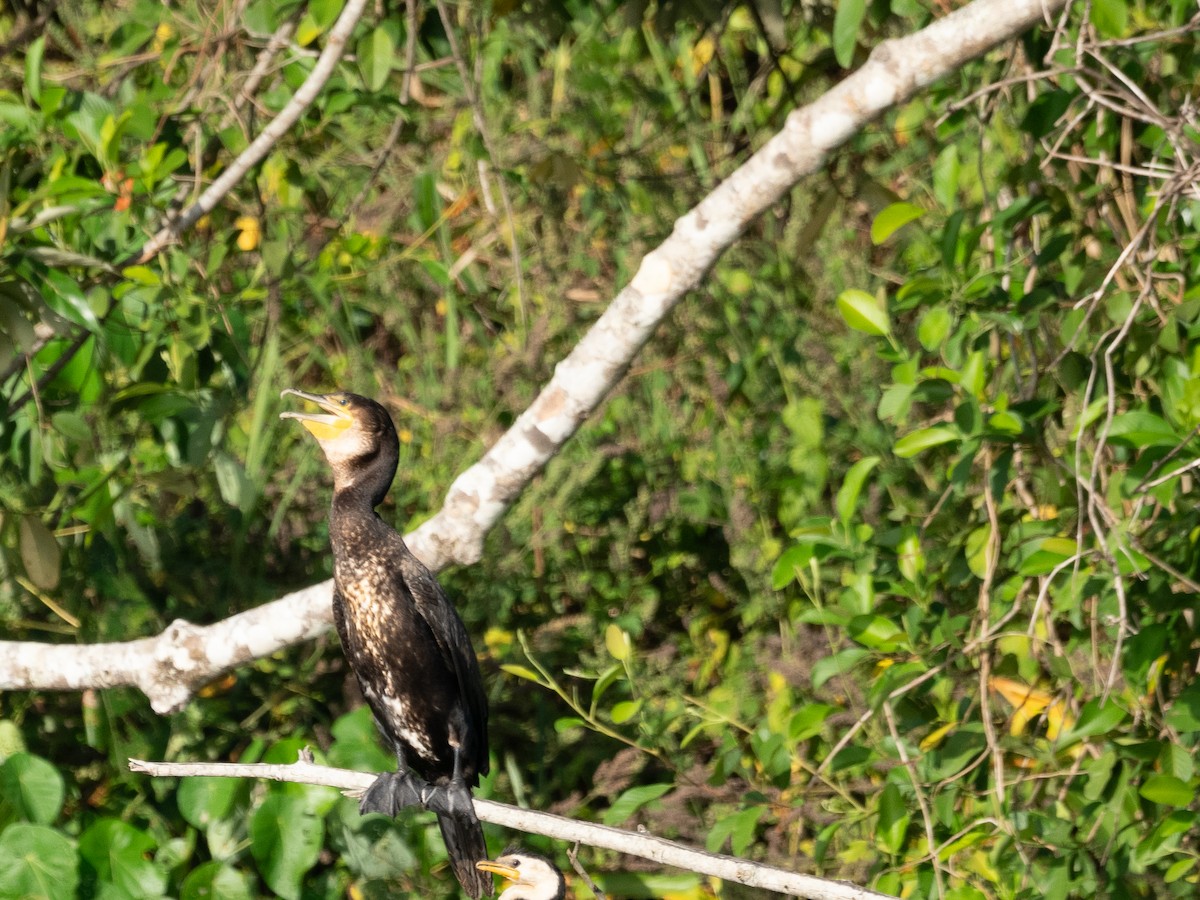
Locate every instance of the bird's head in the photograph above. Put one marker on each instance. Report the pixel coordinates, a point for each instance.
(355, 433)
(533, 876)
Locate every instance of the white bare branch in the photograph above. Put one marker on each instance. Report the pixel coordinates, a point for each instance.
(894, 73)
(170, 667)
(560, 828)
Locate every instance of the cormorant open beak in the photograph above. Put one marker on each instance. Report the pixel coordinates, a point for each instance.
(497, 868)
(323, 428)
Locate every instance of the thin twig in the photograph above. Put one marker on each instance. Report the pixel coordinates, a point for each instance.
(573, 858)
(926, 815)
(335, 46)
(641, 844)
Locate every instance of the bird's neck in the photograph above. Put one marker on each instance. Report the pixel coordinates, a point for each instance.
(353, 522)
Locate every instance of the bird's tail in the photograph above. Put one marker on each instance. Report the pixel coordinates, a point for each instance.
(464, 842)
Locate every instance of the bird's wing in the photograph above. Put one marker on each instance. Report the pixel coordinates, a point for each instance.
(438, 612)
(339, 617)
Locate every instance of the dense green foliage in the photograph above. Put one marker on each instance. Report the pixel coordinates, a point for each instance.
(880, 564)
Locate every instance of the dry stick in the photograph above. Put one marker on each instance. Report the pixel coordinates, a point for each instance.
(170, 666)
(335, 45)
(926, 815)
(573, 858)
(410, 51)
(560, 828)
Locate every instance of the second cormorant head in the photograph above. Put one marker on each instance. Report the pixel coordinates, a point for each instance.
(357, 437)
(533, 876)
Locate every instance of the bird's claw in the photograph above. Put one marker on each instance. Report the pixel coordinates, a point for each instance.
(392, 792)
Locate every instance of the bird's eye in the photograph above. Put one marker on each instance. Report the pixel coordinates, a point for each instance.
(343, 401)
(516, 864)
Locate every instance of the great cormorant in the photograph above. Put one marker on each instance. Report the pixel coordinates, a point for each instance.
(402, 637)
(533, 876)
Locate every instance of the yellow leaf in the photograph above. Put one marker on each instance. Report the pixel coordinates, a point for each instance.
(936, 736)
(1058, 719)
(617, 642)
(703, 53)
(162, 34)
(496, 638)
(1027, 701)
(250, 233)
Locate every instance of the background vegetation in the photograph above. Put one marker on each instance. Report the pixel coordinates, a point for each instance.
(881, 564)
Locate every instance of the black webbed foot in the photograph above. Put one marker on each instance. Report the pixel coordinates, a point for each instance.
(394, 791)
(453, 800)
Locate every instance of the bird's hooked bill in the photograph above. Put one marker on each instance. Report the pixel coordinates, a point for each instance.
(322, 427)
(486, 865)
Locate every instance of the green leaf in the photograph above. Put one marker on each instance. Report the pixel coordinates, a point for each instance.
(1111, 17)
(792, 560)
(918, 441)
(376, 57)
(893, 820)
(1142, 429)
(852, 485)
(878, 633)
(909, 555)
(607, 679)
(625, 710)
(33, 68)
(522, 672)
(31, 787)
(1041, 555)
(841, 662)
(846, 24)
(285, 842)
(203, 801)
(808, 721)
(945, 177)
(1097, 717)
(325, 12)
(215, 880)
(37, 863)
(743, 828)
(1184, 714)
(118, 852)
(1179, 868)
(235, 486)
(973, 375)
(11, 741)
(892, 218)
(980, 550)
(934, 327)
(40, 553)
(632, 800)
(863, 312)
(62, 294)
(1168, 790)
(1006, 423)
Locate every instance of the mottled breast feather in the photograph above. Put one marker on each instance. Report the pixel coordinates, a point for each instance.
(410, 652)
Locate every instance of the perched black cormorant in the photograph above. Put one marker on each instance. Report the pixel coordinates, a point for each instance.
(533, 876)
(402, 637)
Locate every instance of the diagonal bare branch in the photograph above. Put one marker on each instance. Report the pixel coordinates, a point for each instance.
(171, 666)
